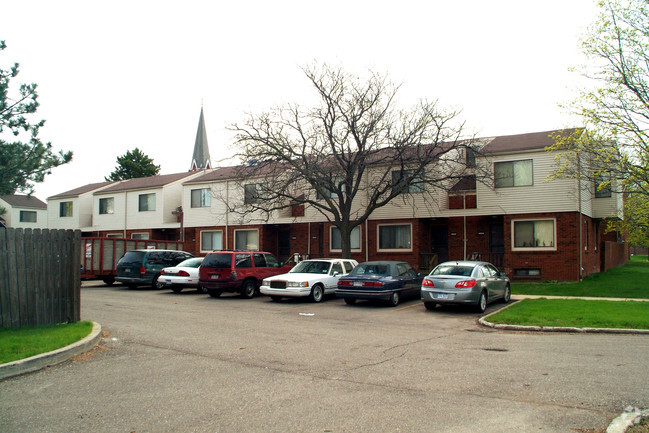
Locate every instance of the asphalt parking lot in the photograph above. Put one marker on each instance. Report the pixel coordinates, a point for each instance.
(190, 363)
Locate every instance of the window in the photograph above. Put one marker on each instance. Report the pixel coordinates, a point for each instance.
(212, 240)
(65, 209)
(246, 239)
(242, 261)
(401, 177)
(252, 193)
(27, 216)
(146, 202)
(201, 197)
(271, 261)
(527, 272)
(333, 193)
(513, 173)
(139, 236)
(336, 243)
(395, 237)
(260, 261)
(470, 158)
(114, 235)
(603, 186)
(106, 205)
(348, 266)
(539, 234)
(337, 267)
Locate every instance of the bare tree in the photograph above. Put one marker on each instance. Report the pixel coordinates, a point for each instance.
(352, 154)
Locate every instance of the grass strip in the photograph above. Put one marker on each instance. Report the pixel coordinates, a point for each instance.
(575, 313)
(22, 343)
(627, 281)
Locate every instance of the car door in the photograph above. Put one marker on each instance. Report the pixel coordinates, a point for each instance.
(331, 280)
(408, 278)
(499, 282)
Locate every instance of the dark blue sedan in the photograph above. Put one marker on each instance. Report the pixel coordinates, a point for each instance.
(384, 280)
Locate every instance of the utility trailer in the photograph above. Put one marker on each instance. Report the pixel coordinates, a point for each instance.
(99, 256)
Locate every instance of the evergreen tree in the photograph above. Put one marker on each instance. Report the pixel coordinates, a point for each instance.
(133, 164)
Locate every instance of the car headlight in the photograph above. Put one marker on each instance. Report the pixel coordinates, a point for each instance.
(265, 283)
(298, 284)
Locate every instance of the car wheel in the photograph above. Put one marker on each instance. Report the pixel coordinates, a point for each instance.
(214, 293)
(481, 306)
(394, 299)
(157, 284)
(201, 289)
(109, 280)
(508, 294)
(430, 305)
(317, 293)
(276, 298)
(350, 301)
(248, 289)
(177, 289)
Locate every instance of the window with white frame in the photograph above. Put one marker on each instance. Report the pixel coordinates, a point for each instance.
(603, 185)
(115, 235)
(513, 173)
(395, 237)
(65, 209)
(201, 197)
(139, 235)
(246, 239)
(107, 205)
(212, 240)
(401, 177)
(146, 202)
(336, 243)
(534, 234)
(27, 216)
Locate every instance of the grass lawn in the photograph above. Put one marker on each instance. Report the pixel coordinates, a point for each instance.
(25, 342)
(577, 313)
(628, 281)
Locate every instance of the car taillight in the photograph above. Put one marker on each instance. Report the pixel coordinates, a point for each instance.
(233, 275)
(162, 272)
(466, 284)
(183, 274)
(373, 284)
(427, 283)
(142, 270)
(344, 283)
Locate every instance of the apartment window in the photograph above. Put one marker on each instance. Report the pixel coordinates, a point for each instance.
(534, 234)
(146, 202)
(212, 240)
(106, 205)
(513, 173)
(470, 158)
(65, 209)
(603, 186)
(395, 237)
(201, 197)
(336, 243)
(139, 236)
(401, 177)
(332, 193)
(27, 216)
(252, 193)
(246, 239)
(114, 235)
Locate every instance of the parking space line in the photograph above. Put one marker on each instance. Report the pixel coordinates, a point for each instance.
(409, 306)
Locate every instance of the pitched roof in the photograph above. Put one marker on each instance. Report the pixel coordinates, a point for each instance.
(522, 142)
(16, 200)
(157, 181)
(201, 157)
(80, 190)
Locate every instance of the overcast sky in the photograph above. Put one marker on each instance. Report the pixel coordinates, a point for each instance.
(117, 75)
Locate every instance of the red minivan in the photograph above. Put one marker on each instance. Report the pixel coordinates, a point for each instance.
(237, 271)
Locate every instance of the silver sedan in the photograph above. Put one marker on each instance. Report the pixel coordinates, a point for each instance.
(465, 282)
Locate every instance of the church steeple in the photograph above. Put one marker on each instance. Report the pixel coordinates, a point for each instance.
(201, 157)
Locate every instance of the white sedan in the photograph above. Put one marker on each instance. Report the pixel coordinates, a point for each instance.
(313, 278)
(183, 275)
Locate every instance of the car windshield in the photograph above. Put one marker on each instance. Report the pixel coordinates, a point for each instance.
(457, 270)
(308, 267)
(132, 257)
(371, 269)
(218, 261)
(191, 263)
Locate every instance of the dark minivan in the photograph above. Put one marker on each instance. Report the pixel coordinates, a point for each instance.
(142, 267)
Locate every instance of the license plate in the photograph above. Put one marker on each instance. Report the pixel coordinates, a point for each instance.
(442, 296)
(214, 277)
(358, 283)
(128, 271)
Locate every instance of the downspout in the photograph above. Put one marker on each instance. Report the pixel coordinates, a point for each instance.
(125, 212)
(227, 211)
(308, 249)
(581, 222)
(464, 220)
(367, 242)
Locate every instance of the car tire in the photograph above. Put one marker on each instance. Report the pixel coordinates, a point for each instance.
(177, 289)
(156, 283)
(214, 293)
(350, 301)
(430, 306)
(248, 289)
(109, 280)
(201, 289)
(317, 293)
(481, 306)
(394, 299)
(276, 298)
(508, 294)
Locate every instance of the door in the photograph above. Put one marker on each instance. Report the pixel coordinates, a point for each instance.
(496, 244)
(284, 245)
(439, 242)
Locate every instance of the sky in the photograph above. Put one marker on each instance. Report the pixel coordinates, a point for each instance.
(117, 75)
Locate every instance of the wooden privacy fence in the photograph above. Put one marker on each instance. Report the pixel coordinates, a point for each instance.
(39, 277)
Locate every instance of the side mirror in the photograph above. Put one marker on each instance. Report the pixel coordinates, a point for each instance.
(336, 273)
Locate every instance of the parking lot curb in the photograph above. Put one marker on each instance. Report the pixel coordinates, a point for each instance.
(54, 357)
